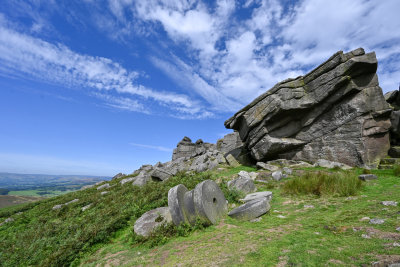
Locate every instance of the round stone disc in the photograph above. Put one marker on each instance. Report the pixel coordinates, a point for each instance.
(176, 203)
(209, 201)
(251, 209)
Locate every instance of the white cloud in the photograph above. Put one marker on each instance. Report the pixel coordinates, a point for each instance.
(275, 43)
(26, 56)
(159, 148)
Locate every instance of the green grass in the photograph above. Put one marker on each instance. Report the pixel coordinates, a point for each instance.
(396, 169)
(102, 235)
(324, 183)
(36, 193)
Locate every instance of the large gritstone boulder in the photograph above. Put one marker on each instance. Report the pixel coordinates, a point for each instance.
(231, 144)
(206, 202)
(336, 112)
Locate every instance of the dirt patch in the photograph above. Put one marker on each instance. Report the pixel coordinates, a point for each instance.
(385, 260)
(378, 234)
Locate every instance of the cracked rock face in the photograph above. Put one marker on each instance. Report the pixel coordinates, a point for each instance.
(336, 112)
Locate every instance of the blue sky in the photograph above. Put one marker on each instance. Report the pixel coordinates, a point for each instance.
(99, 87)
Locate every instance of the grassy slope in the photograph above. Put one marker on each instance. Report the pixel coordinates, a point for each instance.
(317, 236)
(103, 234)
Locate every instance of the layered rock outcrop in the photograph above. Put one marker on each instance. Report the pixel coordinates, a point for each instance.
(336, 112)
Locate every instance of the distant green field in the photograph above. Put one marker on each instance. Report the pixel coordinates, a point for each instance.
(37, 193)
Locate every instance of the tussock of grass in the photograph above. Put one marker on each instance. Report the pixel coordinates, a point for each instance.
(396, 169)
(323, 183)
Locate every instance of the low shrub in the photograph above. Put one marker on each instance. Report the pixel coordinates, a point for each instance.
(324, 183)
(366, 171)
(396, 169)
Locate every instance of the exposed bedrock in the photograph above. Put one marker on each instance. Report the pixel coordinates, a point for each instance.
(336, 112)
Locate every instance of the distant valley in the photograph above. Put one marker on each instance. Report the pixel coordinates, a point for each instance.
(19, 188)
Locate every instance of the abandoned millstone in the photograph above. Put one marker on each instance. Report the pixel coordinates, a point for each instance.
(205, 202)
(152, 219)
(389, 203)
(266, 166)
(232, 161)
(242, 184)
(250, 197)
(336, 112)
(367, 177)
(277, 176)
(104, 186)
(251, 210)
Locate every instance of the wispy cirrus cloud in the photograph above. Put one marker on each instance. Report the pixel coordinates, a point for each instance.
(159, 148)
(29, 57)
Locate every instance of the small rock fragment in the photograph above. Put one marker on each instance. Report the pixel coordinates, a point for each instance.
(281, 216)
(365, 236)
(127, 180)
(104, 193)
(257, 195)
(103, 186)
(287, 170)
(277, 175)
(365, 219)
(367, 177)
(57, 207)
(245, 185)
(232, 161)
(398, 229)
(266, 166)
(389, 203)
(395, 244)
(308, 206)
(86, 207)
(376, 221)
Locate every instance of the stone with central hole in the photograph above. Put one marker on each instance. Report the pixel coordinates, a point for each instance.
(206, 202)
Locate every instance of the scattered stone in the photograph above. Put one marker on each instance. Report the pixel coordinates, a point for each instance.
(250, 197)
(351, 198)
(104, 186)
(389, 203)
(277, 175)
(365, 236)
(142, 179)
(205, 202)
(330, 108)
(152, 219)
(308, 206)
(104, 193)
(367, 177)
(398, 229)
(331, 164)
(119, 175)
(281, 216)
(250, 210)
(317, 233)
(266, 166)
(365, 219)
(7, 221)
(87, 206)
(127, 180)
(395, 244)
(72, 201)
(245, 185)
(256, 219)
(232, 161)
(86, 187)
(253, 175)
(376, 221)
(244, 174)
(161, 174)
(57, 207)
(287, 170)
